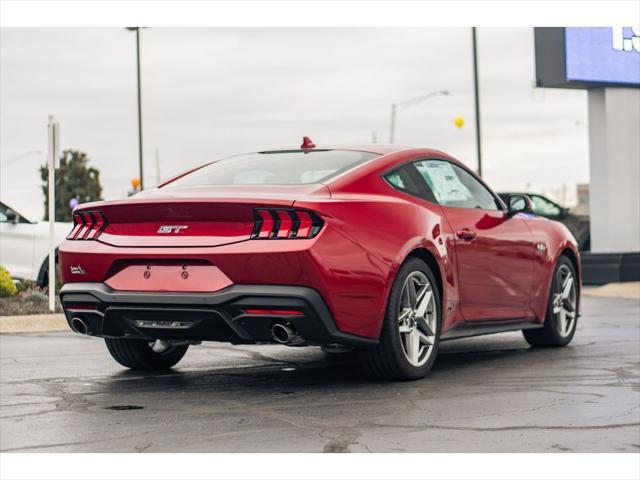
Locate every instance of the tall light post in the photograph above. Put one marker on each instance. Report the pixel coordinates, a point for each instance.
(396, 107)
(476, 98)
(137, 30)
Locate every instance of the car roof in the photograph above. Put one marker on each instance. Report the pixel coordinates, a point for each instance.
(377, 148)
(387, 156)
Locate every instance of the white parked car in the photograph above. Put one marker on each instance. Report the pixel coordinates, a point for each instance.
(24, 245)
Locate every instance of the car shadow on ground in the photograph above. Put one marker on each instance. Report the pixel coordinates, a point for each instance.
(297, 375)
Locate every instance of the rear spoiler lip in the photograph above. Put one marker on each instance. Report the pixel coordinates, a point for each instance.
(264, 198)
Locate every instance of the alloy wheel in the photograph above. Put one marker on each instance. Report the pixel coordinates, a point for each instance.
(564, 300)
(417, 318)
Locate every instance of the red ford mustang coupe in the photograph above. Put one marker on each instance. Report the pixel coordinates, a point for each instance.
(385, 249)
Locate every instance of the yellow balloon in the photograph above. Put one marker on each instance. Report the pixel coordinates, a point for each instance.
(458, 121)
(135, 182)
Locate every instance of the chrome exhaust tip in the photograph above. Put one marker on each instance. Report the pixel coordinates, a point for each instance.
(285, 335)
(281, 333)
(79, 325)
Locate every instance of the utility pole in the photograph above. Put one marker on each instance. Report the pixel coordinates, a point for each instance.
(157, 166)
(392, 123)
(137, 30)
(477, 98)
(53, 153)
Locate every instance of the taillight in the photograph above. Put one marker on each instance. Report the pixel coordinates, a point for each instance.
(276, 223)
(87, 226)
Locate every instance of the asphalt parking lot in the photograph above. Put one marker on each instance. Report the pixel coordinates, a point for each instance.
(61, 392)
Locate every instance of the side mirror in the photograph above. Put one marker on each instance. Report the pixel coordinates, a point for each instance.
(520, 204)
(12, 217)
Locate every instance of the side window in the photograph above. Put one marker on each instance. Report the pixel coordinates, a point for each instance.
(401, 179)
(541, 206)
(3, 214)
(452, 186)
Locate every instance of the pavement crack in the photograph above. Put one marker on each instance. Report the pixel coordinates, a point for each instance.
(68, 444)
(142, 448)
(510, 428)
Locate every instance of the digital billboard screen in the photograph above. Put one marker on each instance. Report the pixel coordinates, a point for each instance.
(585, 57)
(603, 55)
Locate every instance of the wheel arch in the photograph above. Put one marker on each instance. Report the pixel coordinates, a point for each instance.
(429, 258)
(571, 252)
(42, 279)
(574, 258)
(421, 251)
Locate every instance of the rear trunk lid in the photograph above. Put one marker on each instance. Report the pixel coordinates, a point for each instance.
(194, 216)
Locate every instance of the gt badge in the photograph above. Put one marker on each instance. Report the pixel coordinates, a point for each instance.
(172, 228)
(541, 247)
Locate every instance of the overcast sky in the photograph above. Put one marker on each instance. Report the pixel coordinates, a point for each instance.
(209, 93)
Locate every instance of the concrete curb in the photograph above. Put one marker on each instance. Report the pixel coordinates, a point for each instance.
(54, 322)
(629, 290)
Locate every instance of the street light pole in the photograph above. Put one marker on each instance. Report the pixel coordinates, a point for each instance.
(392, 126)
(137, 30)
(476, 98)
(395, 107)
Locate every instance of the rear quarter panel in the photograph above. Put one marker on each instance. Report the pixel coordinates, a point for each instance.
(389, 225)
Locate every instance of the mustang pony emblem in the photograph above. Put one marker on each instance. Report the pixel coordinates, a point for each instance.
(172, 228)
(77, 270)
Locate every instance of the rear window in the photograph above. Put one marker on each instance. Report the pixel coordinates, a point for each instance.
(295, 167)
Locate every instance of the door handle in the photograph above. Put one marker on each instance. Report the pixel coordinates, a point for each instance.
(466, 234)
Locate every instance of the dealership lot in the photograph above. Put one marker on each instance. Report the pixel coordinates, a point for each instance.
(61, 392)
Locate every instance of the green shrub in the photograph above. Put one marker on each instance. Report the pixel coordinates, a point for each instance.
(7, 287)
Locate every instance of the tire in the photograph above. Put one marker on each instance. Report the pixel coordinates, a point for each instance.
(556, 331)
(42, 280)
(390, 358)
(139, 354)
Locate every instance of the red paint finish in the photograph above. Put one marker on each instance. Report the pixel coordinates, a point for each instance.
(487, 262)
(495, 263)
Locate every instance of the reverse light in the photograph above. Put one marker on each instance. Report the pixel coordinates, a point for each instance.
(87, 226)
(276, 223)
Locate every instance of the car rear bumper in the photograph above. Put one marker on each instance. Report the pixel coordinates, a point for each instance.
(219, 316)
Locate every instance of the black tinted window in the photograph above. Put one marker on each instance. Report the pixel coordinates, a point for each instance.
(402, 180)
(294, 167)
